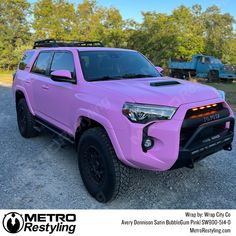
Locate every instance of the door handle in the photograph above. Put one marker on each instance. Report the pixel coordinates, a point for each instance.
(45, 87)
(27, 81)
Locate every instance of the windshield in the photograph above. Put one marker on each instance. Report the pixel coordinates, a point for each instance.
(114, 65)
(215, 61)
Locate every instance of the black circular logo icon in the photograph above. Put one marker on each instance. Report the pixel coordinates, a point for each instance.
(13, 222)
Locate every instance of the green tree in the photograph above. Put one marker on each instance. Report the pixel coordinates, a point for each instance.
(161, 36)
(218, 29)
(113, 24)
(15, 31)
(185, 32)
(88, 20)
(229, 51)
(99, 23)
(188, 32)
(152, 38)
(53, 19)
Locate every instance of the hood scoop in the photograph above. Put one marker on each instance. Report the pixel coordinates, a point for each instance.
(164, 83)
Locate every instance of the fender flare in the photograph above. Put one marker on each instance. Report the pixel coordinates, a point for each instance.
(105, 123)
(23, 90)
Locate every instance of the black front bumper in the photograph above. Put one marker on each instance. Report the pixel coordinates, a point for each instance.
(196, 149)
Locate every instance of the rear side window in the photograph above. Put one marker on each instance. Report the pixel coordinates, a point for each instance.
(63, 61)
(25, 60)
(41, 64)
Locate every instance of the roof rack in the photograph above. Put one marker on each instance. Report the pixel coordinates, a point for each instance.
(48, 43)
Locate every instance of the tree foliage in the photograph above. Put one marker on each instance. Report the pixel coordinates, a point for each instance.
(14, 31)
(184, 32)
(53, 19)
(218, 30)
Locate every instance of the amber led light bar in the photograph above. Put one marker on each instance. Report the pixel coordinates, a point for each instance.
(204, 107)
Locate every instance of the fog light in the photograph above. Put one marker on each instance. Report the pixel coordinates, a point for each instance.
(148, 143)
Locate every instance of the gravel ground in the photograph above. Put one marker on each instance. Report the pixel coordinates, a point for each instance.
(39, 173)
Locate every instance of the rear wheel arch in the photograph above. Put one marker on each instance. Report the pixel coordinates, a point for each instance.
(21, 94)
(25, 119)
(18, 96)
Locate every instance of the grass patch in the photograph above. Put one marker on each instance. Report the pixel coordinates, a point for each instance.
(230, 90)
(6, 78)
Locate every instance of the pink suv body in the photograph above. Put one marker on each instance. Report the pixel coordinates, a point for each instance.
(153, 122)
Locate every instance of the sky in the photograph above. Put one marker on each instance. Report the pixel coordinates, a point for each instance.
(131, 9)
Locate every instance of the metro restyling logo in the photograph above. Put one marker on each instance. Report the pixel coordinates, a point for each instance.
(14, 222)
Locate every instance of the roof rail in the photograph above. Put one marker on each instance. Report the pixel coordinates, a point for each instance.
(49, 43)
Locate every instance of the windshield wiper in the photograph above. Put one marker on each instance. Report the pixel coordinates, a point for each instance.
(120, 77)
(131, 76)
(106, 77)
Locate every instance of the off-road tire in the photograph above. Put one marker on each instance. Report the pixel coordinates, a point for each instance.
(213, 76)
(25, 120)
(109, 178)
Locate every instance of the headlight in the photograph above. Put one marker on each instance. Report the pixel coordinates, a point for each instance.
(141, 113)
(222, 94)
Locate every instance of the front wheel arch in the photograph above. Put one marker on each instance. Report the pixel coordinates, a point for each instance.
(213, 76)
(85, 124)
(102, 122)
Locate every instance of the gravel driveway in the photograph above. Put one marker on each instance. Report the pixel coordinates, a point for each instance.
(39, 173)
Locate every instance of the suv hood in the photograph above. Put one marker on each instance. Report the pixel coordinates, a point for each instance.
(141, 91)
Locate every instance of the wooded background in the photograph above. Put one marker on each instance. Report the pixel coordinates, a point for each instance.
(159, 36)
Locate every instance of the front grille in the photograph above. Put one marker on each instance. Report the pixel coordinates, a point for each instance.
(230, 69)
(204, 110)
(197, 117)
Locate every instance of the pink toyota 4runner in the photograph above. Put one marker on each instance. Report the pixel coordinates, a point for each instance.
(118, 111)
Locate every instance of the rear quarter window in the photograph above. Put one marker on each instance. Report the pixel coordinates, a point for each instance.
(42, 63)
(25, 60)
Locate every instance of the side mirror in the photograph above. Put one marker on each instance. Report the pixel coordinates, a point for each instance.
(62, 75)
(160, 70)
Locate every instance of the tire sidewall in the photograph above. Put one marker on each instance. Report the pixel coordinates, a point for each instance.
(213, 76)
(28, 130)
(22, 105)
(107, 188)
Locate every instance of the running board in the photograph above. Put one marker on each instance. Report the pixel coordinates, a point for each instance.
(55, 130)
